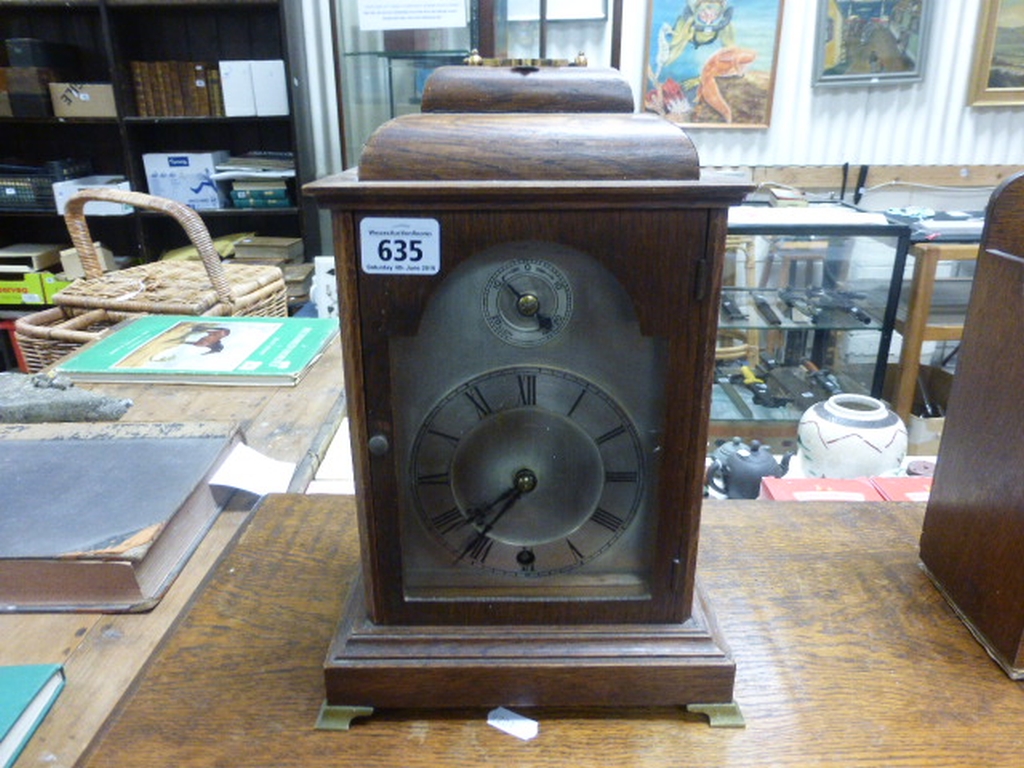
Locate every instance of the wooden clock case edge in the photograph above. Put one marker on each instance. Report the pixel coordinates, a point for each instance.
(382, 666)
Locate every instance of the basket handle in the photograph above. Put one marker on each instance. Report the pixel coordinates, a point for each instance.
(189, 220)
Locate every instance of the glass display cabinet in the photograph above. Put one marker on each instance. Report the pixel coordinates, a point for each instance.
(808, 307)
(382, 68)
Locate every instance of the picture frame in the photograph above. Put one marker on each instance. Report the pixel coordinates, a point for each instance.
(711, 63)
(997, 77)
(879, 42)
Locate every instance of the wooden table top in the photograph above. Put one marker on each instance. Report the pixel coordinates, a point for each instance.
(846, 655)
(103, 653)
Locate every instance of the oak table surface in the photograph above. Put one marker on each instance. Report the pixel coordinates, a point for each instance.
(103, 653)
(846, 655)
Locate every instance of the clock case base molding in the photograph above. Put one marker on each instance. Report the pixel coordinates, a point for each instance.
(398, 667)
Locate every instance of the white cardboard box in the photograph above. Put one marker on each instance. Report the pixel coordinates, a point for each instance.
(71, 264)
(237, 88)
(63, 190)
(186, 177)
(270, 87)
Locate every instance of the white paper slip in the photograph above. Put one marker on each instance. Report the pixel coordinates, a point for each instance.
(249, 470)
(516, 725)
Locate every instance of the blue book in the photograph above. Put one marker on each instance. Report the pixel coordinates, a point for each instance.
(27, 691)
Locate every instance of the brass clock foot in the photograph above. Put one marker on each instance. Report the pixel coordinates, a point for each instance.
(720, 715)
(339, 717)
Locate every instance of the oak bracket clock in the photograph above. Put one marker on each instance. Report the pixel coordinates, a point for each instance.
(529, 307)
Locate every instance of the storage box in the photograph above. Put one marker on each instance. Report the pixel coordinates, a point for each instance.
(186, 177)
(924, 433)
(53, 284)
(83, 99)
(237, 88)
(28, 257)
(72, 264)
(270, 87)
(818, 489)
(21, 289)
(63, 190)
(910, 488)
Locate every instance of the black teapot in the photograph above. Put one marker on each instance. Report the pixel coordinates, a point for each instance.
(741, 471)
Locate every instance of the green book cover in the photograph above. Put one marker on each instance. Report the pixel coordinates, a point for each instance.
(27, 691)
(204, 350)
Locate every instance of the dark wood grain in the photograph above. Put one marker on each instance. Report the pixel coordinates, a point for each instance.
(846, 654)
(526, 89)
(524, 146)
(630, 241)
(973, 538)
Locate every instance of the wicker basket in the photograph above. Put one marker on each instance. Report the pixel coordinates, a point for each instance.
(47, 336)
(90, 305)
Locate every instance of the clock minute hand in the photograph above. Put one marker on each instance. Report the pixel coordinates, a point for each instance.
(477, 514)
(476, 544)
(523, 482)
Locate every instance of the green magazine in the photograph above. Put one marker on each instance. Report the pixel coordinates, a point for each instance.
(204, 350)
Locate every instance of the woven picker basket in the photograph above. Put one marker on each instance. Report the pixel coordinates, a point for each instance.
(205, 287)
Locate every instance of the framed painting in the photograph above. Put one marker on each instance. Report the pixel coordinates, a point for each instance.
(711, 63)
(998, 75)
(870, 42)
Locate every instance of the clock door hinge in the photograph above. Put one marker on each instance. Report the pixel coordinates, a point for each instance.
(700, 279)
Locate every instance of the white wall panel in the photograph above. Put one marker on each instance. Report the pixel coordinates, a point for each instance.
(924, 123)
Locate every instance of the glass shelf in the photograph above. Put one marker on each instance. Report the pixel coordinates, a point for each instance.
(809, 303)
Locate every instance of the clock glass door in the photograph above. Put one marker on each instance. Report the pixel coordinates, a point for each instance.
(528, 420)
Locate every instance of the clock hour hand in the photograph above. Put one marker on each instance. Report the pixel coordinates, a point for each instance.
(477, 515)
(528, 305)
(524, 482)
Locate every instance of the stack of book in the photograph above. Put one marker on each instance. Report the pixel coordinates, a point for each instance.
(259, 179)
(284, 252)
(177, 89)
(260, 193)
(277, 251)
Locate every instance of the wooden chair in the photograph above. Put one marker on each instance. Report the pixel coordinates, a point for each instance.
(921, 321)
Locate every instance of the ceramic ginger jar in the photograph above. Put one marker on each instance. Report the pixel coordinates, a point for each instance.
(850, 436)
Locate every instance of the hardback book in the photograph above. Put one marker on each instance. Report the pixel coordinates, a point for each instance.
(255, 183)
(279, 192)
(259, 247)
(27, 691)
(103, 516)
(179, 349)
(260, 202)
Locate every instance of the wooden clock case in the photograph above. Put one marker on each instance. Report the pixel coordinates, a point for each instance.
(972, 543)
(625, 189)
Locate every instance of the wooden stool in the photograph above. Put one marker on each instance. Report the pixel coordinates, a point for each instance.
(792, 254)
(739, 344)
(920, 324)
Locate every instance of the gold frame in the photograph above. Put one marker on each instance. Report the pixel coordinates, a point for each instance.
(981, 92)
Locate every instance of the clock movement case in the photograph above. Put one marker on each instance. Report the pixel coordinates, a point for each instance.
(625, 190)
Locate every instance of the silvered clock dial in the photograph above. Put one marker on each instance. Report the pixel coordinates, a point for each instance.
(527, 471)
(527, 302)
